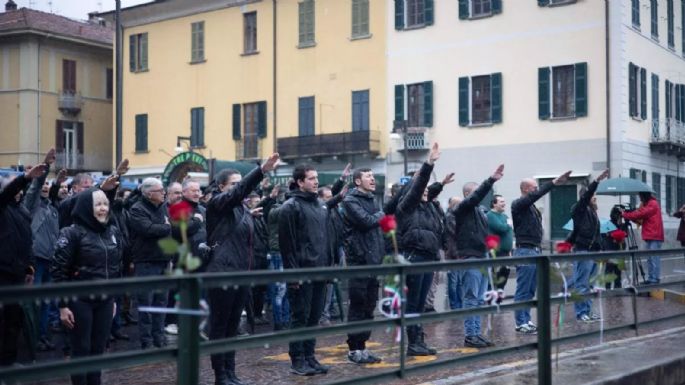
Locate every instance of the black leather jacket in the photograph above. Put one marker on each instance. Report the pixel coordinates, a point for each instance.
(471, 223)
(527, 218)
(363, 241)
(586, 234)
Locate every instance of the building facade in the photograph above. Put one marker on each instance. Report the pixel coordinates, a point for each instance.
(55, 90)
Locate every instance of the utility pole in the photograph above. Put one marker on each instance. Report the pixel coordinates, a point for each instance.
(119, 70)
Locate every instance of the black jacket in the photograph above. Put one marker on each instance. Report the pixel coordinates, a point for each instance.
(363, 239)
(147, 225)
(15, 232)
(585, 234)
(87, 249)
(419, 224)
(230, 226)
(527, 218)
(303, 231)
(471, 223)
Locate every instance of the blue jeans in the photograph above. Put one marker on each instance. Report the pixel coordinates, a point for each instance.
(48, 312)
(454, 289)
(277, 294)
(151, 325)
(418, 286)
(653, 263)
(526, 283)
(582, 271)
(473, 286)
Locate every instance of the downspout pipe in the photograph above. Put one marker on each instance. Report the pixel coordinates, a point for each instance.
(275, 74)
(607, 47)
(119, 69)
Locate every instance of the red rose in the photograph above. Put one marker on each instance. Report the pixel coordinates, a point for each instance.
(618, 236)
(180, 211)
(388, 223)
(564, 247)
(492, 242)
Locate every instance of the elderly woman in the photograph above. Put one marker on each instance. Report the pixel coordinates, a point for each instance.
(90, 249)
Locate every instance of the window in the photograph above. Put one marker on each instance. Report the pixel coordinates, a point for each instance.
(141, 133)
(68, 76)
(69, 143)
(675, 102)
(637, 78)
(257, 123)
(680, 192)
(360, 18)
(635, 7)
(250, 32)
(253, 122)
(562, 91)
(655, 100)
(109, 83)
(655, 19)
(413, 13)
(197, 127)
(638, 175)
(682, 26)
(669, 100)
(198, 42)
(473, 9)
(482, 103)
(138, 52)
(670, 25)
(360, 110)
(671, 192)
(547, 3)
(656, 186)
(306, 116)
(306, 23)
(419, 104)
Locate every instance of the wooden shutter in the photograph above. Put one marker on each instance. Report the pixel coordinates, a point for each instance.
(399, 102)
(464, 101)
(132, 53)
(496, 97)
(356, 17)
(79, 138)
(581, 89)
(643, 93)
(59, 136)
(68, 75)
(632, 89)
(496, 8)
(543, 93)
(543, 3)
(143, 51)
(261, 119)
(428, 12)
(682, 102)
(669, 112)
(399, 14)
(655, 97)
(669, 194)
(236, 122)
(428, 104)
(141, 132)
(671, 23)
(463, 9)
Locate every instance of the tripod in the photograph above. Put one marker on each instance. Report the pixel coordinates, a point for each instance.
(635, 262)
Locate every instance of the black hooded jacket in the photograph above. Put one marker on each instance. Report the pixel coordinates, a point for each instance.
(471, 223)
(303, 231)
(586, 234)
(87, 249)
(364, 244)
(147, 225)
(230, 226)
(15, 232)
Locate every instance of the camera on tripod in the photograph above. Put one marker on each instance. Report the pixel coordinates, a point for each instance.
(623, 207)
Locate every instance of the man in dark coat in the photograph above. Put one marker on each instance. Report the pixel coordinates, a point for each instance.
(230, 231)
(303, 240)
(364, 245)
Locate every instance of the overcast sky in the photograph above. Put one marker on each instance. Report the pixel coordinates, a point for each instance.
(75, 9)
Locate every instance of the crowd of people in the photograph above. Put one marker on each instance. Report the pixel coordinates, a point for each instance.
(64, 232)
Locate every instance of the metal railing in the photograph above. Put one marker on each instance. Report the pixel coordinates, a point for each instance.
(355, 142)
(668, 130)
(189, 348)
(70, 102)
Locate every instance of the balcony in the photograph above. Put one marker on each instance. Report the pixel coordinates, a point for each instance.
(668, 137)
(70, 103)
(345, 143)
(249, 147)
(416, 141)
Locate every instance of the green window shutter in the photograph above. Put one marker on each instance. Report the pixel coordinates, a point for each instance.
(668, 193)
(236, 122)
(496, 97)
(141, 132)
(261, 119)
(399, 14)
(667, 86)
(643, 94)
(428, 104)
(132, 53)
(543, 93)
(496, 6)
(678, 97)
(581, 89)
(428, 12)
(399, 102)
(464, 101)
(463, 9)
(543, 3)
(671, 24)
(682, 102)
(632, 90)
(143, 51)
(656, 186)
(355, 17)
(682, 26)
(655, 97)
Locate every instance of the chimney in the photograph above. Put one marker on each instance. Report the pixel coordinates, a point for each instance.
(10, 6)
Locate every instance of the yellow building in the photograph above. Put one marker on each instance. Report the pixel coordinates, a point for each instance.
(55, 90)
(237, 80)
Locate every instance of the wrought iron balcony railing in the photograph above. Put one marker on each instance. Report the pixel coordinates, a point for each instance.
(70, 102)
(344, 143)
(668, 136)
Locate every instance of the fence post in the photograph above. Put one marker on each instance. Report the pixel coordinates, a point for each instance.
(403, 334)
(188, 360)
(544, 323)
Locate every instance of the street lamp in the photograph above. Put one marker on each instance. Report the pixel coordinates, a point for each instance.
(401, 126)
(178, 143)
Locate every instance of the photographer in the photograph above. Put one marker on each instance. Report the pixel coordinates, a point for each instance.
(649, 216)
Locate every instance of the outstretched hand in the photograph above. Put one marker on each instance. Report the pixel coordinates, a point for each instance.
(36, 172)
(50, 157)
(563, 178)
(499, 173)
(110, 183)
(122, 168)
(271, 163)
(61, 176)
(449, 178)
(603, 175)
(434, 154)
(275, 191)
(346, 172)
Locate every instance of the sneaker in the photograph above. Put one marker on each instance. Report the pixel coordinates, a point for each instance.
(586, 318)
(486, 341)
(417, 349)
(171, 329)
(316, 365)
(595, 317)
(474, 342)
(301, 368)
(532, 325)
(357, 357)
(370, 357)
(526, 329)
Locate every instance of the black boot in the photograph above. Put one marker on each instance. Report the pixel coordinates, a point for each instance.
(220, 377)
(301, 368)
(232, 378)
(316, 365)
(422, 342)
